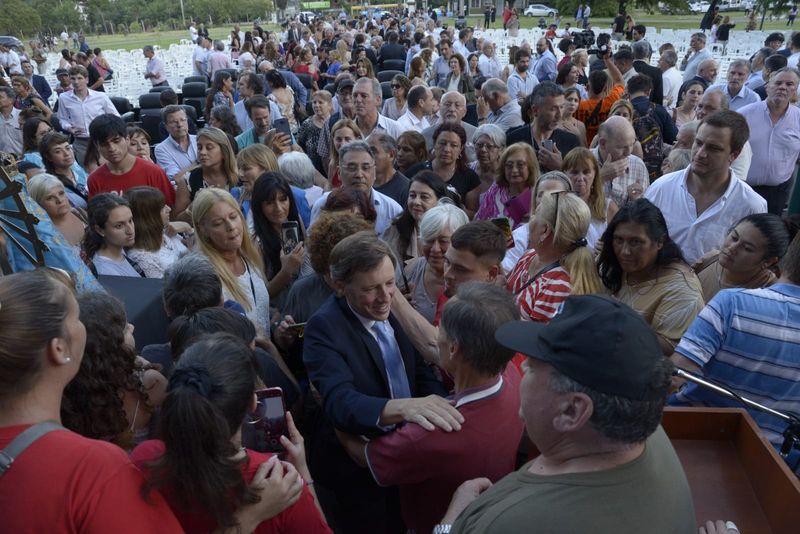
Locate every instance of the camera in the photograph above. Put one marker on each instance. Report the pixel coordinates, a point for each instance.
(603, 47)
(583, 39)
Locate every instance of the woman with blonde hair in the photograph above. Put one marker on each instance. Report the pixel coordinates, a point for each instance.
(253, 161)
(510, 195)
(560, 262)
(216, 168)
(344, 54)
(584, 174)
(418, 70)
(223, 238)
(343, 132)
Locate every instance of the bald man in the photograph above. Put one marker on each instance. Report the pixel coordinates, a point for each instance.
(624, 175)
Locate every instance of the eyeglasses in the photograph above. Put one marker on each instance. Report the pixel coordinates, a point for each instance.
(396, 86)
(486, 146)
(516, 164)
(558, 194)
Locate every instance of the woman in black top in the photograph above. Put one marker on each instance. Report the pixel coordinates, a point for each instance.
(450, 159)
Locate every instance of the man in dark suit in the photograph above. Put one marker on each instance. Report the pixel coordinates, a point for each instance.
(38, 82)
(370, 379)
(391, 49)
(641, 63)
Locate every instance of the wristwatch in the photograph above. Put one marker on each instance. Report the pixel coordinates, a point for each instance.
(442, 528)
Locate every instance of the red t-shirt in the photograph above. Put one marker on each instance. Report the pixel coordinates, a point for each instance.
(302, 517)
(429, 466)
(142, 173)
(66, 483)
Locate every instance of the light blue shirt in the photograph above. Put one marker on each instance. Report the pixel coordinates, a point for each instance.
(776, 147)
(755, 80)
(386, 208)
(545, 68)
(747, 340)
(691, 66)
(171, 157)
(441, 70)
(744, 97)
(517, 84)
(507, 117)
(243, 119)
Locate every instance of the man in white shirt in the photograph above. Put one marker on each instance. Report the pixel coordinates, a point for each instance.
(79, 107)
(420, 104)
(10, 61)
(178, 151)
(738, 94)
(623, 174)
(367, 98)
(715, 100)
(192, 32)
(702, 202)
(695, 55)
(521, 82)
(200, 57)
(10, 132)
(488, 63)
(460, 45)
(357, 171)
(154, 71)
(671, 76)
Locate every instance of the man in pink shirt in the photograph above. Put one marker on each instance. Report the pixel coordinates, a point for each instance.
(218, 59)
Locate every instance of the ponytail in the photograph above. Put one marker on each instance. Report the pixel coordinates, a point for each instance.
(209, 393)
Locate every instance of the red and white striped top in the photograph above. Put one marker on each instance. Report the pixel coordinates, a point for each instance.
(540, 300)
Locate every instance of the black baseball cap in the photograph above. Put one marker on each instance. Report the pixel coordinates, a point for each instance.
(344, 84)
(596, 341)
(59, 72)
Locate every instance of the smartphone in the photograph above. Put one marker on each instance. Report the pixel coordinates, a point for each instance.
(298, 328)
(282, 126)
(290, 236)
(548, 145)
(269, 420)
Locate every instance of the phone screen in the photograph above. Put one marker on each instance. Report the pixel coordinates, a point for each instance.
(269, 420)
(290, 236)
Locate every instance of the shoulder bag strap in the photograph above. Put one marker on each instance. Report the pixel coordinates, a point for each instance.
(23, 441)
(533, 278)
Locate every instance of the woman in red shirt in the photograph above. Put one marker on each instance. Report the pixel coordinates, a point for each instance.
(200, 467)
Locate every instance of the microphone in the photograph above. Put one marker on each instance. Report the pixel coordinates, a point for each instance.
(792, 433)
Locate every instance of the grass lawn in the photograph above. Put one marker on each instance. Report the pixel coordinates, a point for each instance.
(165, 38)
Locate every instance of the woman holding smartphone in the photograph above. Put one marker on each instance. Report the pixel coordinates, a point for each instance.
(274, 210)
(200, 465)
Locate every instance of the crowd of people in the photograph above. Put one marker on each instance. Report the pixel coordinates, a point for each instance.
(471, 281)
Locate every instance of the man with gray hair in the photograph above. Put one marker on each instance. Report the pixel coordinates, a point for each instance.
(624, 175)
(428, 466)
(695, 54)
(497, 106)
(200, 57)
(178, 151)
(591, 424)
(641, 63)
(452, 108)
(739, 95)
(154, 71)
(388, 180)
(671, 77)
(218, 59)
(367, 98)
(369, 377)
(357, 171)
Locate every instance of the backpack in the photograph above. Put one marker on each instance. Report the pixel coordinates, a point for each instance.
(648, 133)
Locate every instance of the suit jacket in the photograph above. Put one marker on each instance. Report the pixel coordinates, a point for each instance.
(391, 51)
(654, 73)
(42, 87)
(345, 365)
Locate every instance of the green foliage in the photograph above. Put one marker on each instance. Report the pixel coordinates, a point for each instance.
(18, 18)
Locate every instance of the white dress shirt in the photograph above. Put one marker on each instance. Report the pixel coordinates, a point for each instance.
(386, 208)
(489, 66)
(156, 67)
(409, 121)
(672, 79)
(78, 114)
(698, 234)
(776, 147)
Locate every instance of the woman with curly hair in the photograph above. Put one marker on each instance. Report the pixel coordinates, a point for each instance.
(114, 395)
(224, 118)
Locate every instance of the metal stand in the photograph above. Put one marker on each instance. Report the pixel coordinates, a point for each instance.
(791, 436)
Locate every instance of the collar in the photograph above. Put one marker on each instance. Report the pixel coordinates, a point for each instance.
(365, 322)
(508, 106)
(740, 94)
(175, 144)
(413, 118)
(476, 394)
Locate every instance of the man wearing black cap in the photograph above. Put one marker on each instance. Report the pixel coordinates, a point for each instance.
(592, 406)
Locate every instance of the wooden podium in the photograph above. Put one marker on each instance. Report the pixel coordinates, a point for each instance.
(735, 474)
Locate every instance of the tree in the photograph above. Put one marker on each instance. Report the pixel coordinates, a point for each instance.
(18, 18)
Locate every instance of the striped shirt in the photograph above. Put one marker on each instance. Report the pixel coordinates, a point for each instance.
(540, 300)
(749, 341)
